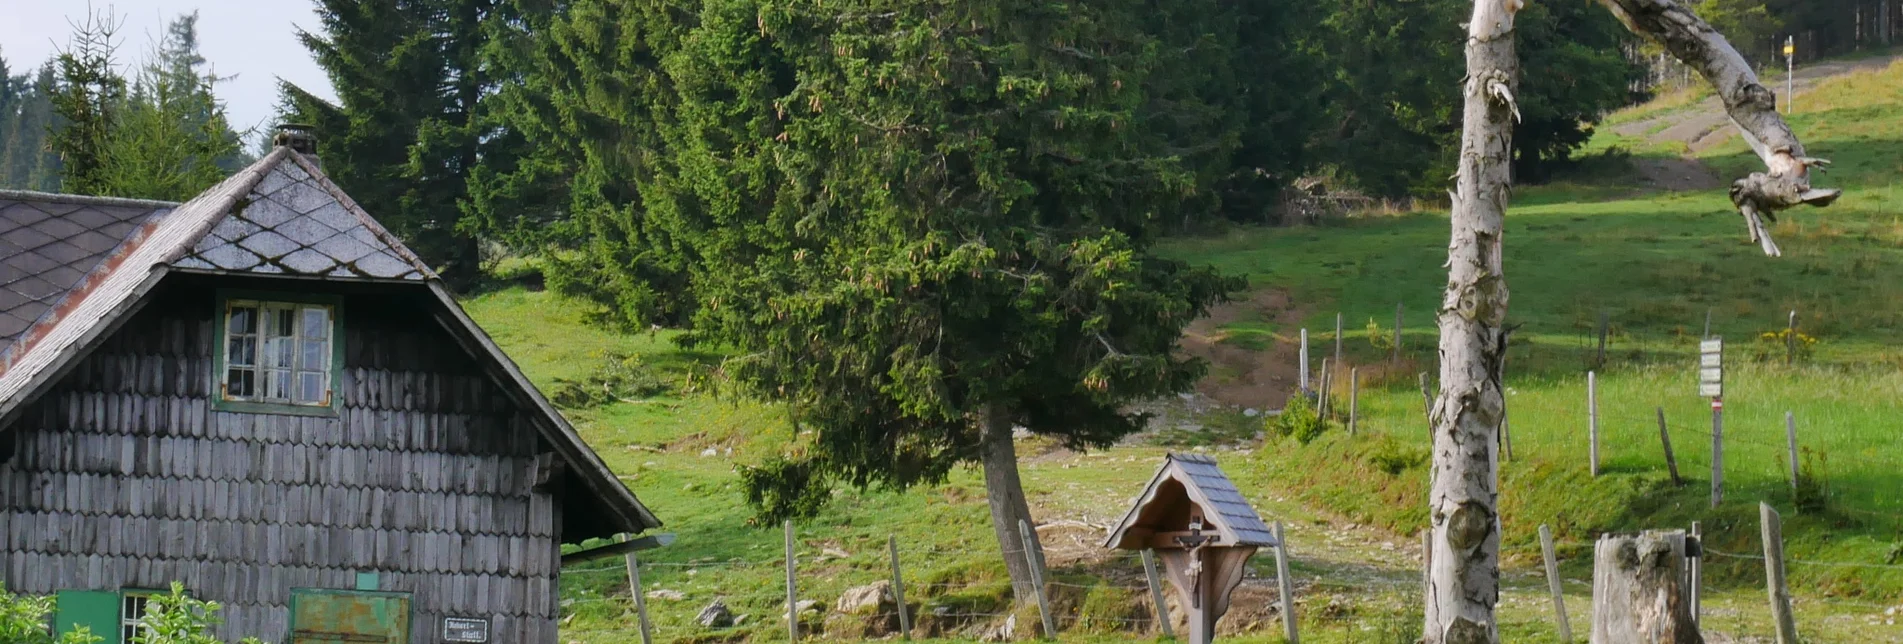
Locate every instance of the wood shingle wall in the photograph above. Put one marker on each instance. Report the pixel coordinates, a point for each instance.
(122, 477)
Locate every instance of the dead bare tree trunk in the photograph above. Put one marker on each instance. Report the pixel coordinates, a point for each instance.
(1005, 493)
(1752, 107)
(1464, 580)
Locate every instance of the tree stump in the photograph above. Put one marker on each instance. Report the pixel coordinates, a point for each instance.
(1638, 592)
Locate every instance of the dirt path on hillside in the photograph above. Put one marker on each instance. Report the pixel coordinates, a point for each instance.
(1705, 125)
(1245, 377)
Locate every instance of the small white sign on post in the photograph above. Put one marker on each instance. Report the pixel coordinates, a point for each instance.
(1711, 369)
(458, 629)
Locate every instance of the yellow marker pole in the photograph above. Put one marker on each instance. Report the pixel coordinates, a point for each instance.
(1790, 74)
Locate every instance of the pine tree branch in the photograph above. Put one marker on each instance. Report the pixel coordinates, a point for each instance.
(1786, 183)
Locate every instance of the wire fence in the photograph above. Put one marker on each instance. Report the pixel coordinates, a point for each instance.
(1104, 594)
(1844, 449)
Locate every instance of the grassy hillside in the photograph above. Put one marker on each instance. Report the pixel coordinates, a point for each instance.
(1653, 263)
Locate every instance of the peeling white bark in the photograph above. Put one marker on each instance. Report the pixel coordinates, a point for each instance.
(1464, 564)
(1785, 183)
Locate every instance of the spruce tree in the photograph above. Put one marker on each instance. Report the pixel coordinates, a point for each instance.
(398, 139)
(88, 99)
(918, 225)
(27, 162)
(1395, 124)
(519, 189)
(172, 139)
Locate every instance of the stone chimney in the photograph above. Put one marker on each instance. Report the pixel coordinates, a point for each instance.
(299, 138)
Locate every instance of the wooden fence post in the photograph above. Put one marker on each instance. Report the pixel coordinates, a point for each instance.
(1790, 340)
(1697, 575)
(1671, 462)
(1603, 323)
(1773, 529)
(1031, 554)
(1506, 428)
(1506, 438)
(1303, 363)
(1354, 397)
(898, 588)
(792, 597)
(1790, 438)
(1397, 333)
(1156, 593)
(1427, 399)
(1592, 419)
(1284, 585)
(1338, 362)
(640, 601)
(1707, 324)
(1553, 583)
(1717, 451)
(1321, 394)
(1427, 562)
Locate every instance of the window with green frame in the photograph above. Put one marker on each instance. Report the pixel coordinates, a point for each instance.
(111, 615)
(278, 352)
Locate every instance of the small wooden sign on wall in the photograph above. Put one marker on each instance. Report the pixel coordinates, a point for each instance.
(462, 629)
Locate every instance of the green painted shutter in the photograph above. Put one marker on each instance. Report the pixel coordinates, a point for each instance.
(94, 609)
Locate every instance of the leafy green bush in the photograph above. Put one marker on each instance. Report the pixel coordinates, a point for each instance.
(177, 618)
(620, 377)
(1775, 345)
(24, 620)
(1813, 489)
(1378, 338)
(1298, 420)
(1394, 457)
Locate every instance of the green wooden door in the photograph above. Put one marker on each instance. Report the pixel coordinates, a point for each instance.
(323, 616)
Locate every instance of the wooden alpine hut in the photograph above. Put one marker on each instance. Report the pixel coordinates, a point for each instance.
(263, 395)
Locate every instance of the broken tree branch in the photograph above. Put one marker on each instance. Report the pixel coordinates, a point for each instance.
(1752, 107)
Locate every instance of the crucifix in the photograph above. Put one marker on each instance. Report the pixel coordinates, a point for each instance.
(1196, 521)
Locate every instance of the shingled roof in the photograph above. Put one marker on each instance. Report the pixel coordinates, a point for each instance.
(1186, 485)
(279, 217)
(293, 223)
(49, 241)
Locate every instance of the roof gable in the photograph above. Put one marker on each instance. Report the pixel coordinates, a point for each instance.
(48, 242)
(296, 222)
(1186, 485)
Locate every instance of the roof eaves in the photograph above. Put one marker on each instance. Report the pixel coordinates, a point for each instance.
(89, 200)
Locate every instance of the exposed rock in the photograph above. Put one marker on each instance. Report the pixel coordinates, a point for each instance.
(875, 598)
(1004, 632)
(805, 606)
(663, 593)
(833, 553)
(715, 615)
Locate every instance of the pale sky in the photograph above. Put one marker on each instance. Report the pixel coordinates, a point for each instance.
(255, 40)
